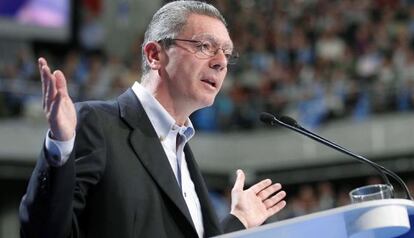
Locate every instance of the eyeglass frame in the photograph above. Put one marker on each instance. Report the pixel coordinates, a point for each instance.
(231, 58)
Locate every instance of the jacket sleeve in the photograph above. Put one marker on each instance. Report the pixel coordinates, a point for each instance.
(231, 223)
(56, 196)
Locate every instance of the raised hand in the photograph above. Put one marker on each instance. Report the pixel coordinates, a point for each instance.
(57, 105)
(254, 205)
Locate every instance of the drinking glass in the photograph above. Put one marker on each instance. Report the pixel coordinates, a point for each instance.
(371, 192)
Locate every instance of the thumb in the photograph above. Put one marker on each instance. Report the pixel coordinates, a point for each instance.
(239, 184)
(61, 82)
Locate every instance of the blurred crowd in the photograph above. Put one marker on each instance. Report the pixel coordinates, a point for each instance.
(315, 60)
(90, 75)
(303, 199)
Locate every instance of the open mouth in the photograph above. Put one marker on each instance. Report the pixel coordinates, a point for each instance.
(212, 83)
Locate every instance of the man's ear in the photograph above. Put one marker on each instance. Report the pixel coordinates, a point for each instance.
(152, 51)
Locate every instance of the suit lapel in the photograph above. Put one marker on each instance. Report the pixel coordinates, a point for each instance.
(149, 150)
(210, 220)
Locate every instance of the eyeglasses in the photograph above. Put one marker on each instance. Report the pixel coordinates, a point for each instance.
(206, 48)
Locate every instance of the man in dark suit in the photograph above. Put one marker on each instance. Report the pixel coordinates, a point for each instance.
(124, 168)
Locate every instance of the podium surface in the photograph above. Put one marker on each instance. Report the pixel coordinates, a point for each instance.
(373, 219)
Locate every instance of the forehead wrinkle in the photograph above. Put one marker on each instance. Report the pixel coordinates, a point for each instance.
(205, 26)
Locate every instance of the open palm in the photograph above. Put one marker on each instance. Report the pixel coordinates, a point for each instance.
(254, 205)
(57, 105)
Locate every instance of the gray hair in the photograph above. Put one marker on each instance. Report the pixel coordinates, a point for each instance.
(169, 20)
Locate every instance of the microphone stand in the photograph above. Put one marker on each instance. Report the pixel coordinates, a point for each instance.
(293, 125)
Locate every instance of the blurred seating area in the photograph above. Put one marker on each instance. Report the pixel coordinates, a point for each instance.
(90, 75)
(307, 198)
(315, 60)
(318, 61)
(319, 196)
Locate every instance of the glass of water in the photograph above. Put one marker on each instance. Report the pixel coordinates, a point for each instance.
(371, 192)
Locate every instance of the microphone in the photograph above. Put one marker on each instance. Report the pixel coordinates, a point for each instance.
(291, 123)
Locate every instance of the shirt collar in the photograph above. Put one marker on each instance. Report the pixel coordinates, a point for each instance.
(160, 119)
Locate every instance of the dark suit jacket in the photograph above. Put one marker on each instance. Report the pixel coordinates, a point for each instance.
(117, 182)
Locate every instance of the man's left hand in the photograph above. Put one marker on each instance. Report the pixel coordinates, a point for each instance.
(254, 205)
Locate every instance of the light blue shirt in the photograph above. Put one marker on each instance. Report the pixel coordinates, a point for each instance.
(167, 130)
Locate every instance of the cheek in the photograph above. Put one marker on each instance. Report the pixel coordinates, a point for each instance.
(175, 63)
(223, 76)
(182, 67)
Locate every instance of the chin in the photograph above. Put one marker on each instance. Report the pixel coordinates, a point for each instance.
(206, 102)
(210, 101)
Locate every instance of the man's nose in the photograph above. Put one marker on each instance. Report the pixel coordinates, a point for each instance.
(219, 61)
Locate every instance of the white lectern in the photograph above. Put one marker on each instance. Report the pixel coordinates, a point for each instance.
(373, 219)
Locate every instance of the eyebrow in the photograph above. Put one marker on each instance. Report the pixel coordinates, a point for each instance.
(211, 38)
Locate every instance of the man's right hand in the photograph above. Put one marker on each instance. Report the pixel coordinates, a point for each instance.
(57, 105)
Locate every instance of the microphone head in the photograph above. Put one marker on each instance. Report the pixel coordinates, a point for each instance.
(288, 120)
(267, 118)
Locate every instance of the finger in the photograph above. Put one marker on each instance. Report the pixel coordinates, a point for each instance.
(239, 184)
(54, 109)
(258, 187)
(265, 193)
(272, 201)
(42, 65)
(276, 208)
(50, 87)
(53, 121)
(61, 85)
(42, 62)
